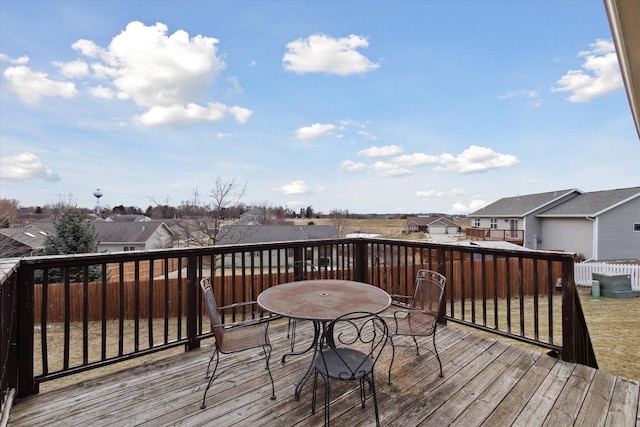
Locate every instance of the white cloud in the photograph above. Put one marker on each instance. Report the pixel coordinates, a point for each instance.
(101, 92)
(168, 75)
(235, 88)
(293, 188)
(87, 48)
(473, 159)
(73, 69)
(177, 115)
(323, 54)
(25, 167)
(156, 69)
(367, 135)
(15, 61)
(438, 194)
(241, 114)
(31, 86)
(351, 166)
(463, 209)
(316, 130)
(389, 170)
(476, 159)
(599, 76)
(384, 151)
(532, 96)
(415, 159)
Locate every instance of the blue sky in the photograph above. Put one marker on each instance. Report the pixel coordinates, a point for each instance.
(368, 106)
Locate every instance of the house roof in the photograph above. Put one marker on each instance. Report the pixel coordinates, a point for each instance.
(127, 232)
(429, 220)
(593, 203)
(128, 218)
(33, 235)
(520, 206)
(232, 234)
(624, 16)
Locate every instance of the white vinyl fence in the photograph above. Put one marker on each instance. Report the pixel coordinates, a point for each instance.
(582, 272)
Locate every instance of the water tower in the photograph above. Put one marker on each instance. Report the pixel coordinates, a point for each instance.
(97, 195)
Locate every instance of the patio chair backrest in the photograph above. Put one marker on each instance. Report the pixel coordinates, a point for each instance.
(362, 332)
(302, 270)
(212, 309)
(429, 290)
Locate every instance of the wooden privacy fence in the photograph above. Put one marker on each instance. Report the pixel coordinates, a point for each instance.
(137, 299)
(502, 277)
(167, 298)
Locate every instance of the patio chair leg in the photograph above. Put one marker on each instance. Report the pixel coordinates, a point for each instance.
(437, 355)
(267, 355)
(393, 355)
(375, 399)
(213, 377)
(416, 343)
(315, 392)
(327, 387)
(214, 354)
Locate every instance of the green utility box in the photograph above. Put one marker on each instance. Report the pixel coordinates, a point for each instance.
(615, 285)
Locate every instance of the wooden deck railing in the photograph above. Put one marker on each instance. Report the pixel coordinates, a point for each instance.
(125, 305)
(515, 236)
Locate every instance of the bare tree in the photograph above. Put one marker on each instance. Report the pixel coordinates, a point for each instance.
(8, 212)
(202, 220)
(64, 203)
(340, 219)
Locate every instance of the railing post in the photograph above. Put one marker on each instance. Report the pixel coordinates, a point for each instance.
(360, 261)
(442, 269)
(568, 313)
(24, 305)
(576, 342)
(192, 302)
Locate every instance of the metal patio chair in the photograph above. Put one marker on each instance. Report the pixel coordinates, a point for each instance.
(419, 314)
(233, 337)
(302, 270)
(348, 351)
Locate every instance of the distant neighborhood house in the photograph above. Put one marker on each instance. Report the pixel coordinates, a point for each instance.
(114, 236)
(246, 234)
(600, 225)
(432, 225)
(25, 241)
(133, 236)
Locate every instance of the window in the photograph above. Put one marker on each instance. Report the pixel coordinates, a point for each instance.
(476, 222)
(494, 223)
(129, 248)
(636, 227)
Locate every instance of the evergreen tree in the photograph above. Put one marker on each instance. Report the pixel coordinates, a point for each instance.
(74, 235)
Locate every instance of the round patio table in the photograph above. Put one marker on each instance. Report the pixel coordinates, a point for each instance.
(321, 301)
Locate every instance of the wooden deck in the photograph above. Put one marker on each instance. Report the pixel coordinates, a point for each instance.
(486, 382)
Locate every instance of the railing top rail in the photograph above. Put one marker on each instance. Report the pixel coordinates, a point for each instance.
(63, 260)
(8, 266)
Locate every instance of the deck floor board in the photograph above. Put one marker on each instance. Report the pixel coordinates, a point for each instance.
(486, 382)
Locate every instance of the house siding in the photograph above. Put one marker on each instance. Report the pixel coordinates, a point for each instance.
(567, 234)
(616, 238)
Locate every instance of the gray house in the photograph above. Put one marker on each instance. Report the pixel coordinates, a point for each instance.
(515, 218)
(600, 225)
(133, 236)
(241, 234)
